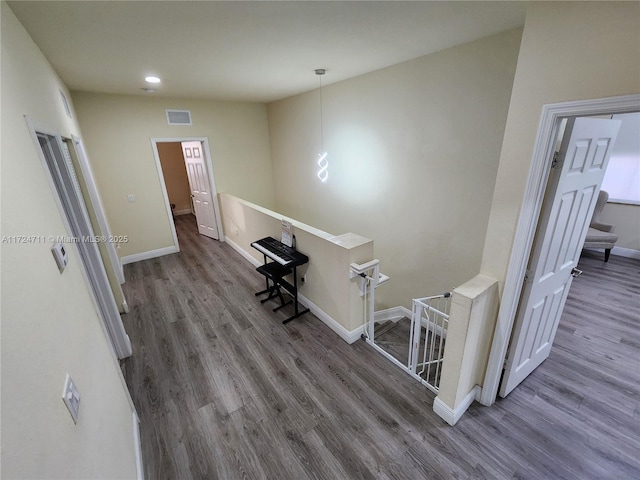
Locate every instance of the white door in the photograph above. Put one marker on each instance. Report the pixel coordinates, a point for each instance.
(200, 188)
(564, 220)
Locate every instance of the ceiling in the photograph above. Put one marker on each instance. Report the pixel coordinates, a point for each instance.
(251, 51)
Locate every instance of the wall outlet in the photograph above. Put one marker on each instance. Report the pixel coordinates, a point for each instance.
(71, 398)
(303, 279)
(131, 198)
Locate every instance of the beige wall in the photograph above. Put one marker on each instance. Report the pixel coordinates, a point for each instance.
(569, 51)
(413, 153)
(49, 323)
(336, 299)
(174, 171)
(626, 221)
(117, 131)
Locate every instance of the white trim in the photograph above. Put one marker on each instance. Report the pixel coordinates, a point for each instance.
(137, 257)
(125, 306)
(528, 220)
(73, 213)
(625, 252)
(394, 314)
(246, 255)
(186, 211)
(622, 201)
(137, 445)
(451, 416)
(346, 335)
(96, 201)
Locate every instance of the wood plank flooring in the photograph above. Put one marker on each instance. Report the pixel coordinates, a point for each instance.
(225, 391)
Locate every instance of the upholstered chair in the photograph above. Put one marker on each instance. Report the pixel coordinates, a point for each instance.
(600, 235)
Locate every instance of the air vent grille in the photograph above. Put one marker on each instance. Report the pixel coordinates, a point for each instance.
(178, 117)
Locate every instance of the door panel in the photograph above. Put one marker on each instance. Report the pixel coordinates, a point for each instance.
(566, 213)
(200, 189)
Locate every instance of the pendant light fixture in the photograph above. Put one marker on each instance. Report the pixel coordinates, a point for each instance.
(323, 162)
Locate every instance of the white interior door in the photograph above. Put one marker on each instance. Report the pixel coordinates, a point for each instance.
(200, 188)
(566, 213)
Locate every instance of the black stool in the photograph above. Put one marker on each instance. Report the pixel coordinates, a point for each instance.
(275, 273)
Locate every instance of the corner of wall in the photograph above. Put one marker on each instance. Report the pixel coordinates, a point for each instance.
(474, 308)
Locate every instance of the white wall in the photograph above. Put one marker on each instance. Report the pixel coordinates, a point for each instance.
(626, 221)
(413, 153)
(50, 326)
(117, 131)
(622, 179)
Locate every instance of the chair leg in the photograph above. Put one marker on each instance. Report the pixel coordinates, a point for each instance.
(607, 252)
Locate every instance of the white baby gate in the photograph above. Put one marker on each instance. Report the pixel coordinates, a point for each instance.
(428, 332)
(429, 324)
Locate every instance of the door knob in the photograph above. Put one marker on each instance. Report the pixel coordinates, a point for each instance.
(575, 272)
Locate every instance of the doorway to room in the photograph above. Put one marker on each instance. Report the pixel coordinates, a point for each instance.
(543, 158)
(186, 175)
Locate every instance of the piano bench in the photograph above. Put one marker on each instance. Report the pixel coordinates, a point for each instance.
(275, 273)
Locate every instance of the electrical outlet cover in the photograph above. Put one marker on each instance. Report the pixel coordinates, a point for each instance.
(71, 397)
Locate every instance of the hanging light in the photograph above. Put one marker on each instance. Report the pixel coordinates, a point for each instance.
(323, 162)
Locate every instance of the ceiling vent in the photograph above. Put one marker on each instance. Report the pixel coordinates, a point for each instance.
(178, 117)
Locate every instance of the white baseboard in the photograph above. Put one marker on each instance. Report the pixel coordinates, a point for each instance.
(247, 256)
(451, 416)
(394, 314)
(182, 212)
(346, 335)
(625, 252)
(137, 257)
(137, 445)
(125, 306)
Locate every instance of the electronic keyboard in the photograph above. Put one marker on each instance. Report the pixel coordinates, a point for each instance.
(279, 252)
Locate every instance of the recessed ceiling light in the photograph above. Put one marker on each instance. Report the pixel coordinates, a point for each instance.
(152, 79)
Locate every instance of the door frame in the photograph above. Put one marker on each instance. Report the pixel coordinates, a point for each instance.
(212, 184)
(87, 172)
(527, 224)
(93, 267)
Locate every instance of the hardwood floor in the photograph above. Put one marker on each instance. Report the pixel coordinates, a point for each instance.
(224, 390)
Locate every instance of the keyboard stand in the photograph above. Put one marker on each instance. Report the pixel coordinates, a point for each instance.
(276, 273)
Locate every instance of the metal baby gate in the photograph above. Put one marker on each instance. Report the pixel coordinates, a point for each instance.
(429, 325)
(427, 333)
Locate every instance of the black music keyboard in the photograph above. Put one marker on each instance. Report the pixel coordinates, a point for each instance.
(279, 252)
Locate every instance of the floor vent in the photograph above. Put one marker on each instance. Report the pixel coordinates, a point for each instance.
(178, 117)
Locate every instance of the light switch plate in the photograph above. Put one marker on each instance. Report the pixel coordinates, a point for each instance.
(71, 397)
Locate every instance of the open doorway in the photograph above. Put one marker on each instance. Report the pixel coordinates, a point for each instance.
(175, 177)
(542, 161)
(186, 176)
